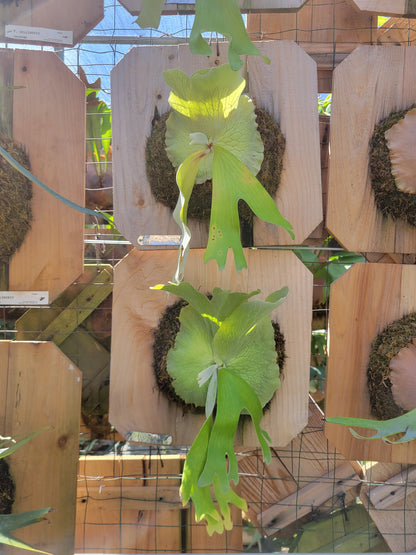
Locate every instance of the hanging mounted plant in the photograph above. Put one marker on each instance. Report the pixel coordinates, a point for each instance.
(15, 206)
(392, 161)
(391, 376)
(223, 359)
(212, 133)
(162, 174)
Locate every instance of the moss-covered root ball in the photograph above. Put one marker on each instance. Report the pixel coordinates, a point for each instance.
(389, 199)
(383, 370)
(15, 200)
(162, 175)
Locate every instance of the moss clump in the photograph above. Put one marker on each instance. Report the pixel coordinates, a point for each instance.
(7, 489)
(162, 175)
(389, 199)
(164, 339)
(386, 346)
(15, 200)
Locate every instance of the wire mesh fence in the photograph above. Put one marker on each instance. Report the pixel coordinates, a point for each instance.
(310, 498)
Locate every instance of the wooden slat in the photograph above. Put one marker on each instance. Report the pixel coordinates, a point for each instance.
(107, 517)
(78, 16)
(35, 320)
(363, 301)
(303, 462)
(289, 82)
(397, 31)
(398, 8)
(51, 256)
(313, 495)
(288, 89)
(397, 522)
(388, 77)
(6, 94)
(79, 309)
(327, 27)
(135, 401)
(43, 388)
(394, 489)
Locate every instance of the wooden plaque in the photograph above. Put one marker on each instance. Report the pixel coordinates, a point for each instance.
(51, 22)
(44, 110)
(363, 302)
(136, 403)
(398, 8)
(40, 387)
(369, 85)
(287, 88)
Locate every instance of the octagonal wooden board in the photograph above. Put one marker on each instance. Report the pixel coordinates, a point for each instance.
(287, 88)
(136, 404)
(41, 387)
(370, 84)
(43, 108)
(363, 302)
(173, 7)
(51, 22)
(397, 8)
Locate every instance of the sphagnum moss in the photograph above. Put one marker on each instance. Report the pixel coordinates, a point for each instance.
(389, 200)
(386, 346)
(15, 200)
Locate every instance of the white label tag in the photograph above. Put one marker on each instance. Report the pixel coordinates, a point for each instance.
(38, 34)
(19, 298)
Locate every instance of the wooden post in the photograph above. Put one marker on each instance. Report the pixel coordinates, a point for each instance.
(41, 387)
(369, 85)
(363, 302)
(51, 127)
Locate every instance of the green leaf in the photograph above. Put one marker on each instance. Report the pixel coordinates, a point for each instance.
(405, 424)
(221, 16)
(217, 518)
(231, 182)
(224, 353)
(191, 355)
(209, 104)
(9, 445)
(234, 395)
(150, 14)
(185, 179)
(8, 523)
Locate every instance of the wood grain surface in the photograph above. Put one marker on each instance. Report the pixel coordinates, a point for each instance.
(397, 520)
(49, 121)
(363, 302)
(41, 387)
(78, 16)
(136, 404)
(287, 88)
(370, 84)
(385, 7)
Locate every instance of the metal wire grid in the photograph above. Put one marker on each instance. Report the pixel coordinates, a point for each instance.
(97, 54)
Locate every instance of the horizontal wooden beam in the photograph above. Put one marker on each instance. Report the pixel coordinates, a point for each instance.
(311, 496)
(395, 489)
